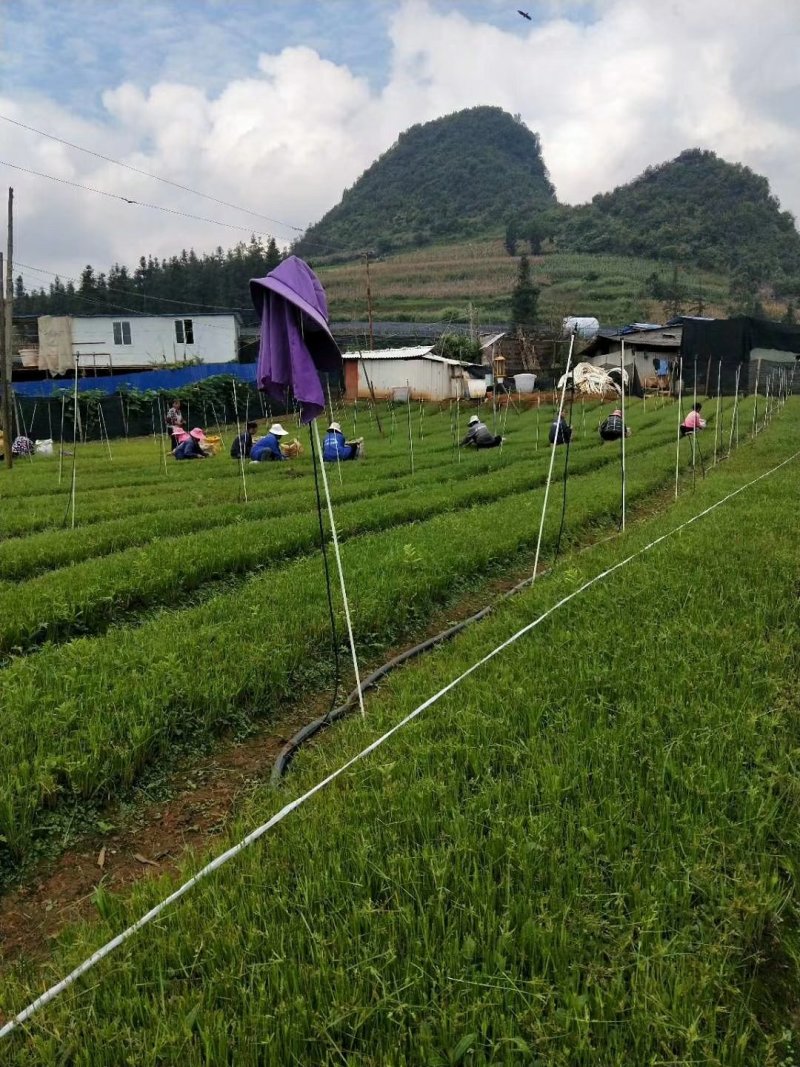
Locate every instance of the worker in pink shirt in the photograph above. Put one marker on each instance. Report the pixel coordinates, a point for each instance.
(693, 421)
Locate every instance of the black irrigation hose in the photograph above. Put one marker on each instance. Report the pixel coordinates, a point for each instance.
(290, 749)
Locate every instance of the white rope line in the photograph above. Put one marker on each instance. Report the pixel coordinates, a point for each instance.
(287, 809)
(552, 453)
(339, 568)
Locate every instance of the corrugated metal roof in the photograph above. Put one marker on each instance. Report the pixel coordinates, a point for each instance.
(394, 353)
(399, 354)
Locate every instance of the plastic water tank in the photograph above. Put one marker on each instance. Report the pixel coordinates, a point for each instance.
(584, 325)
(524, 382)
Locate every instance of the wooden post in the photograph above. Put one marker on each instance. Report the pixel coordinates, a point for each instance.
(369, 306)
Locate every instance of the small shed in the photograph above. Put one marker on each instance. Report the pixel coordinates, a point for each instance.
(394, 372)
(646, 344)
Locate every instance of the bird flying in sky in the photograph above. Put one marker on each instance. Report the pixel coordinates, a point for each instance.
(525, 15)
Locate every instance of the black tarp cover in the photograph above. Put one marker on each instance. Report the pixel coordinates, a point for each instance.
(708, 342)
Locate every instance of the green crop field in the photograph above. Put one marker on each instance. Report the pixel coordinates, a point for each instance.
(584, 854)
(441, 282)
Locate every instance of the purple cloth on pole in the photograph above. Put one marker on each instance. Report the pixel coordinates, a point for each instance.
(296, 343)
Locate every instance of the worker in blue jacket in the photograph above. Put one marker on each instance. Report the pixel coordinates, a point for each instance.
(192, 447)
(336, 449)
(268, 447)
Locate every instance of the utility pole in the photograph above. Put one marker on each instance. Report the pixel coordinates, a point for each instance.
(8, 310)
(369, 306)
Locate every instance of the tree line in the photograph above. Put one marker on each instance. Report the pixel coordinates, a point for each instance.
(218, 280)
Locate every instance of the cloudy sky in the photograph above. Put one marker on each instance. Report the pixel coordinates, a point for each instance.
(276, 106)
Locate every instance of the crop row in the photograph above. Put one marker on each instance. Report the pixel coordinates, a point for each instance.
(86, 597)
(582, 855)
(84, 718)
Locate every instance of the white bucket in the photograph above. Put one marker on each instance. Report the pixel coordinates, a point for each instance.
(524, 382)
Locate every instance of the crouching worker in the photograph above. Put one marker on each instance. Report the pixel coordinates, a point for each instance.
(22, 446)
(560, 431)
(192, 446)
(479, 435)
(612, 428)
(243, 444)
(693, 421)
(268, 448)
(334, 447)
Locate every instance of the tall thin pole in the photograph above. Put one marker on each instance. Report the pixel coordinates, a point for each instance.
(330, 405)
(74, 440)
(239, 435)
(369, 306)
(8, 312)
(694, 431)
(680, 420)
(735, 414)
(622, 439)
(339, 568)
(552, 458)
(717, 422)
(61, 449)
(410, 435)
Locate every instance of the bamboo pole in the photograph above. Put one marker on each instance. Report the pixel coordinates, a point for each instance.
(8, 312)
(239, 436)
(552, 459)
(694, 432)
(410, 435)
(680, 420)
(717, 421)
(74, 442)
(622, 439)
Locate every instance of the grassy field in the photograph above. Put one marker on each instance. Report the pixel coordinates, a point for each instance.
(585, 854)
(439, 283)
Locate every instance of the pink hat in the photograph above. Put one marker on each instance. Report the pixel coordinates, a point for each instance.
(197, 433)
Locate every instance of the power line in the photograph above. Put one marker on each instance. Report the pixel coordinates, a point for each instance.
(128, 200)
(149, 174)
(133, 292)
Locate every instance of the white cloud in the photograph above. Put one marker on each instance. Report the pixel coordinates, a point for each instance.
(633, 84)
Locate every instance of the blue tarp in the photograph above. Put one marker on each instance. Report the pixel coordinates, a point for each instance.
(165, 380)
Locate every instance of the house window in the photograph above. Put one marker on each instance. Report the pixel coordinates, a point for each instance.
(122, 333)
(184, 331)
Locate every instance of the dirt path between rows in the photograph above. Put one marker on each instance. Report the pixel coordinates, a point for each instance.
(203, 795)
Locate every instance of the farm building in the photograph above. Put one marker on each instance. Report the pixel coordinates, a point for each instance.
(645, 345)
(758, 346)
(106, 343)
(390, 373)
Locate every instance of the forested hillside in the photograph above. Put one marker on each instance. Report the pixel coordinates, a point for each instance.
(695, 209)
(456, 176)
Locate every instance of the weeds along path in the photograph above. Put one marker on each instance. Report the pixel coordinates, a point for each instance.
(87, 597)
(84, 719)
(582, 856)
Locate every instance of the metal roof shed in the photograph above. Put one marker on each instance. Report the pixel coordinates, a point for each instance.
(392, 371)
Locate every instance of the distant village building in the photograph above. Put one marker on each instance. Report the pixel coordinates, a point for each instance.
(646, 345)
(108, 343)
(397, 373)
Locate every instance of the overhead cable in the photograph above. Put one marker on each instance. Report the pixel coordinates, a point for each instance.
(149, 174)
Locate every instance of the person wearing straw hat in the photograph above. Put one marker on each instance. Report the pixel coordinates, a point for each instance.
(479, 435)
(612, 428)
(268, 448)
(192, 447)
(335, 449)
